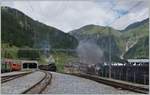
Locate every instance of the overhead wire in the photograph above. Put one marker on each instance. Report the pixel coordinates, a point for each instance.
(128, 11)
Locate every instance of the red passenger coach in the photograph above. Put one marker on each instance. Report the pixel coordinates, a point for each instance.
(13, 65)
(16, 66)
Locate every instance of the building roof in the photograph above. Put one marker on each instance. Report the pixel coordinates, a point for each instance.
(138, 60)
(29, 61)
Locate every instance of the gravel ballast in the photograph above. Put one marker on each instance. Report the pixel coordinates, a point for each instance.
(68, 84)
(19, 85)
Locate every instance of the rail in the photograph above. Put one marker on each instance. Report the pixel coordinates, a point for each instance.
(39, 86)
(117, 84)
(12, 77)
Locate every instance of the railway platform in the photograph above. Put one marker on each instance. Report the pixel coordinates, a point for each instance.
(13, 73)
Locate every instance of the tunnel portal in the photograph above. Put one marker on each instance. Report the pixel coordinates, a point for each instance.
(29, 65)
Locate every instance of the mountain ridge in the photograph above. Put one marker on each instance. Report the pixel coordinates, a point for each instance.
(15, 23)
(135, 24)
(131, 36)
(36, 34)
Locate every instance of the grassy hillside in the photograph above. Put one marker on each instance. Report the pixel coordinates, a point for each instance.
(121, 41)
(102, 36)
(139, 50)
(62, 58)
(12, 51)
(20, 30)
(136, 24)
(135, 38)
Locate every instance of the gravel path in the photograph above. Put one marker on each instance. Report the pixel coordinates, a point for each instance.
(67, 84)
(19, 85)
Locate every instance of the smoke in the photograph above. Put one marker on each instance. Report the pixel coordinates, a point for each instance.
(89, 52)
(44, 46)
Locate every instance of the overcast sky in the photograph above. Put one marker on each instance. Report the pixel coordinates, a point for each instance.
(68, 15)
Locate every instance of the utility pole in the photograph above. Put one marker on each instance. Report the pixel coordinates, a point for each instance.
(109, 52)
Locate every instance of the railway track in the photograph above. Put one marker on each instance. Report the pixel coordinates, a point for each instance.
(115, 84)
(11, 77)
(39, 86)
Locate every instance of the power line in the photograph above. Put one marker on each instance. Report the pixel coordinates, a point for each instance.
(137, 4)
(128, 11)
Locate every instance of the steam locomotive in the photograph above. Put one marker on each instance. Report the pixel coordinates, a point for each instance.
(49, 67)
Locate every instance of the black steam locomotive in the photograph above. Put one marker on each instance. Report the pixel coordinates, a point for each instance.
(49, 67)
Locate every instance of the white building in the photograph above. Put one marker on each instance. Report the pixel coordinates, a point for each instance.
(138, 61)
